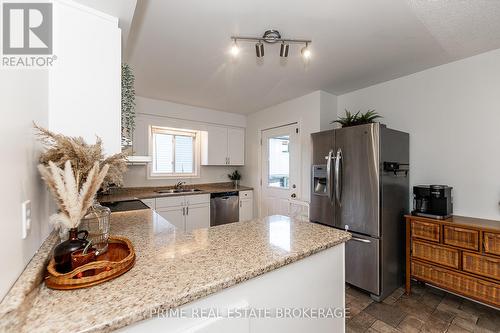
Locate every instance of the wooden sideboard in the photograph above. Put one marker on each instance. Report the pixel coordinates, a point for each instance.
(459, 254)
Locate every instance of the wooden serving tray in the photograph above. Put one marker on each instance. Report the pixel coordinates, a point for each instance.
(118, 259)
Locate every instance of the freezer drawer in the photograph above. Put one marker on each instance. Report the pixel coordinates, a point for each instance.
(362, 263)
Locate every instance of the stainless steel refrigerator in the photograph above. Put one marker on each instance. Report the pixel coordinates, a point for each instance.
(360, 183)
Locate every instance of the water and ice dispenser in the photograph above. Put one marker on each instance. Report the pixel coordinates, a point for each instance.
(319, 179)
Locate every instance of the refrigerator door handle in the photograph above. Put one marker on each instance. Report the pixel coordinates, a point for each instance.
(360, 240)
(329, 175)
(338, 176)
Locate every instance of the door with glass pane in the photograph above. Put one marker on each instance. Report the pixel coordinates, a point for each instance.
(280, 169)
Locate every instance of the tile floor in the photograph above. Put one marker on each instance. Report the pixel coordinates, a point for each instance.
(426, 310)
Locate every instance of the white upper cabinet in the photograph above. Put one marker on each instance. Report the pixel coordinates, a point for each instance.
(214, 146)
(236, 146)
(223, 146)
(85, 80)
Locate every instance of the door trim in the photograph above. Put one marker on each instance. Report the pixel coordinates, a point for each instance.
(261, 176)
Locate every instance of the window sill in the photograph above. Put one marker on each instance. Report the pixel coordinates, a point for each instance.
(172, 176)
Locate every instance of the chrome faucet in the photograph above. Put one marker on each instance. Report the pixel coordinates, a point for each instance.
(179, 185)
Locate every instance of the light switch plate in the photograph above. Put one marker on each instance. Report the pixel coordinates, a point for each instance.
(26, 218)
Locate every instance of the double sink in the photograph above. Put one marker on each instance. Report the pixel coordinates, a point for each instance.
(178, 190)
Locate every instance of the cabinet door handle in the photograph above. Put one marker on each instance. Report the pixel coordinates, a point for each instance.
(187, 210)
(183, 211)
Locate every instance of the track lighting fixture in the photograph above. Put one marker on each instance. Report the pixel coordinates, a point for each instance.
(284, 50)
(259, 49)
(271, 37)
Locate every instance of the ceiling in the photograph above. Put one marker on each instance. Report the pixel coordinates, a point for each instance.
(122, 9)
(179, 49)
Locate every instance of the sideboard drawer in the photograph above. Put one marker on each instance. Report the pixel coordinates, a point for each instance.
(481, 265)
(435, 253)
(463, 284)
(492, 243)
(460, 237)
(425, 230)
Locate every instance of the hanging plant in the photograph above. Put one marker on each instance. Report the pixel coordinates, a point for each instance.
(128, 105)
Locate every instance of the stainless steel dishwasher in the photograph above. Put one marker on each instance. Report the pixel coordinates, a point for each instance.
(224, 208)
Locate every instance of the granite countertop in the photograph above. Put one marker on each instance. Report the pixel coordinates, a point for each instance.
(172, 268)
(131, 193)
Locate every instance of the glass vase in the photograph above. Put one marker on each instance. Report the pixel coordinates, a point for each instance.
(96, 222)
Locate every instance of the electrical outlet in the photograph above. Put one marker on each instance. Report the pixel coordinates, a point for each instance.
(26, 218)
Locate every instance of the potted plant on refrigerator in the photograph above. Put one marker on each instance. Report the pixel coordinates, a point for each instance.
(358, 118)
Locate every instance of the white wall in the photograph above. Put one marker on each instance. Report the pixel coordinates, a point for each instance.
(188, 112)
(23, 99)
(168, 114)
(79, 95)
(85, 81)
(452, 113)
(328, 113)
(307, 111)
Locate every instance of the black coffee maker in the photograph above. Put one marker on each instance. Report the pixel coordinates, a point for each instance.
(432, 201)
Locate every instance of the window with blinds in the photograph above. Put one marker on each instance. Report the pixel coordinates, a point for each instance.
(174, 152)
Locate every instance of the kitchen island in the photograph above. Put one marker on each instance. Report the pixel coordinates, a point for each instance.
(291, 270)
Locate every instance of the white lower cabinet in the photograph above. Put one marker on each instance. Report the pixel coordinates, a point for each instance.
(174, 215)
(186, 213)
(151, 203)
(197, 216)
(246, 210)
(246, 206)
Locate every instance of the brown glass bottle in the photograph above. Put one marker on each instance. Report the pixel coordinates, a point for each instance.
(62, 252)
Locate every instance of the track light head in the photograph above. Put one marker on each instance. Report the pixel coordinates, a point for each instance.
(235, 50)
(306, 52)
(259, 49)
(284, 48)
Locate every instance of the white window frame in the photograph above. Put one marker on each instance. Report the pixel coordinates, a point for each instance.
(174, 131)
